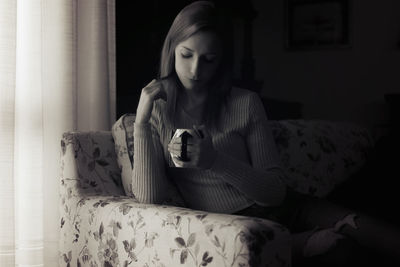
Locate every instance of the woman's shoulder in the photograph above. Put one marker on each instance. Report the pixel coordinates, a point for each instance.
(242, 95)
(245, 101)
(239, 108)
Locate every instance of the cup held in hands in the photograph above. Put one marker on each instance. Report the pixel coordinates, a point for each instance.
(184, 135)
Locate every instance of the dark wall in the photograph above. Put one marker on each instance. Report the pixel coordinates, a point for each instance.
(346, 84)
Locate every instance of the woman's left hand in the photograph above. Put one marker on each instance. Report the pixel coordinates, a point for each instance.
(200, 150)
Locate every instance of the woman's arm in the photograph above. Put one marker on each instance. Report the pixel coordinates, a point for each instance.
(149, 181)
(263, 179)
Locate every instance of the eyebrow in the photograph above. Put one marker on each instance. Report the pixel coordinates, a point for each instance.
(191, 50)
(188, 48)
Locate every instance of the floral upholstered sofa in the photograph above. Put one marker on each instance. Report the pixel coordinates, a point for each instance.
(101, 226)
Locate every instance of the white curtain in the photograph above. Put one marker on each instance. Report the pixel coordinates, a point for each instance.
(57, 73)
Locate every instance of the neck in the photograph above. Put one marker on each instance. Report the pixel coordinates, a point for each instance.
(193, 104)
(191, 98)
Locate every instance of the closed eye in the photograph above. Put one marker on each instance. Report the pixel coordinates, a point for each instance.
(186, 55)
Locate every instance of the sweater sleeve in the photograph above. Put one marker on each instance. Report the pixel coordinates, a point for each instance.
(149, 181)
(262, 179)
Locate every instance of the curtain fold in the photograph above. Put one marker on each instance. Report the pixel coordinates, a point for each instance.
(28, 136)
(57, 73)
(7, 99)
(92, 64)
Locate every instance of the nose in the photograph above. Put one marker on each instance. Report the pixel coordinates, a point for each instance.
(195, 68)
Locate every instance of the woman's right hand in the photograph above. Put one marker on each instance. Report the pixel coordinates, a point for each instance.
(153, 91)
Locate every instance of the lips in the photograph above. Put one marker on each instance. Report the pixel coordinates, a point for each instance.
(192, 83)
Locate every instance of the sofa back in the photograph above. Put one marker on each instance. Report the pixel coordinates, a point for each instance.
(89, 165)
(318, 155)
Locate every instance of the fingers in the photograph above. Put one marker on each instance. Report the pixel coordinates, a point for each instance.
(155, 90)
(183, 164)
(174, 147)
(201, 131)
(177, 148)
(175, 154)
(198, 131)
(196, 149)
(190, 141)
(192, 163)
(152, 82)
(192, 151)
(160, 91)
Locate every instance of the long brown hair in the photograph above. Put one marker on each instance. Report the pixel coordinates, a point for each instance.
(195, 17)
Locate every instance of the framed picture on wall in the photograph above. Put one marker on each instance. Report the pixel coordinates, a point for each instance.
(317, 24)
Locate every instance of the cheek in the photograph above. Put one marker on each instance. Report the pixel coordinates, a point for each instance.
(179, 65)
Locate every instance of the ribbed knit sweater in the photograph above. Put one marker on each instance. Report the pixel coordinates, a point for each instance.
(246, 169)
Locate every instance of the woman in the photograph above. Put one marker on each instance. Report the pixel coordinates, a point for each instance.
(234, 168)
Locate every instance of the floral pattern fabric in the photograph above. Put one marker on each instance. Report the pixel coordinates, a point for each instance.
(122, 132)
(100, 226)
(318, 155)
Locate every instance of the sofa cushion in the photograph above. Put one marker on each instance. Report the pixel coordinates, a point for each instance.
(318, 155)
(122, 132)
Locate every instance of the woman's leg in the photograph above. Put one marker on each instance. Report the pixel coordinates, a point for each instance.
(306, 216)
(345, 253)
(369, 232)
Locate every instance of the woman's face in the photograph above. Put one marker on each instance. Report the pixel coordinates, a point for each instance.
(197, 59)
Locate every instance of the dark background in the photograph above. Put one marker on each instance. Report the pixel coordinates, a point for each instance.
(346, 83)
(358, 82)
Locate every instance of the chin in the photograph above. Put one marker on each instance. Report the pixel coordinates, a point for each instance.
(188, 86)
(191, 87)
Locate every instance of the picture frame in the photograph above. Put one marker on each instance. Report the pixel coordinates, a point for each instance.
(317, 24)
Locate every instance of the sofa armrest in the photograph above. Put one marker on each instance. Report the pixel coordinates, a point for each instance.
(89, 165)
(115, 231)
